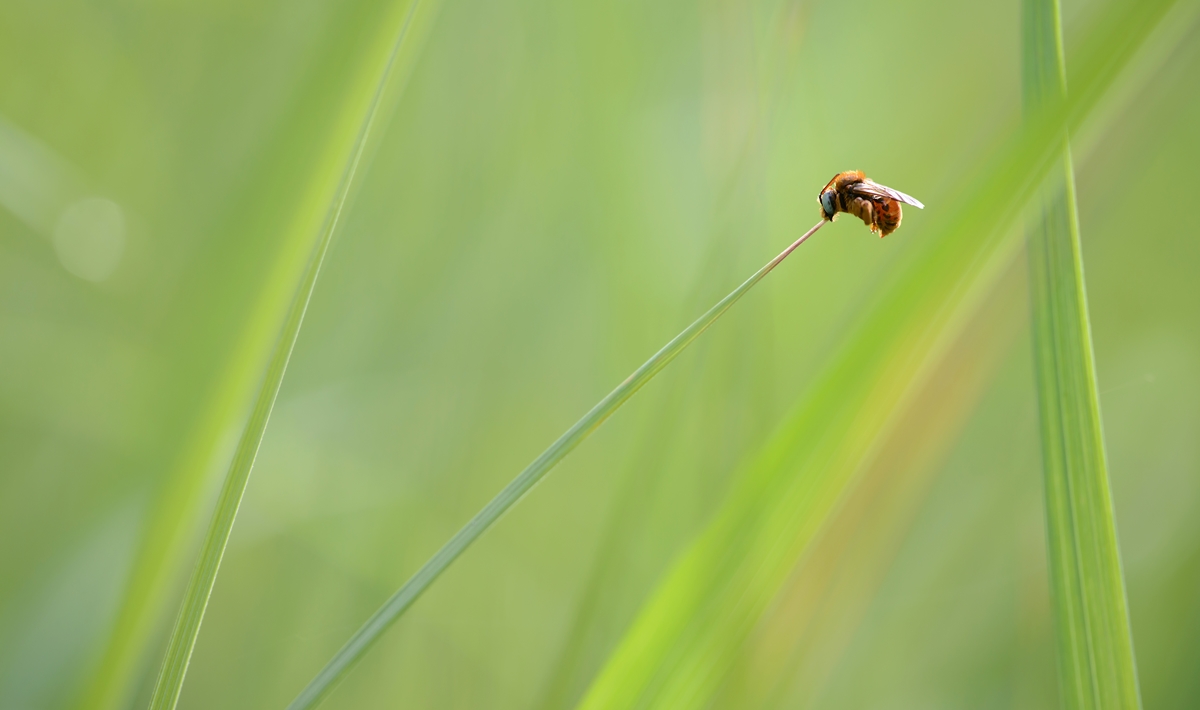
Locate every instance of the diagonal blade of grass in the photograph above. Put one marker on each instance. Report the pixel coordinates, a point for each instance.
(626, 530)
(370, 631)
(683, 644)
(1095, 646)
(631, 537)
(191, 614)
(799, 644)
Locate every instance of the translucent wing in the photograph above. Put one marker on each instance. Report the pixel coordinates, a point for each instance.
(870, 188)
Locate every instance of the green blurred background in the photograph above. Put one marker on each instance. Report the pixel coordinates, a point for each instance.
(560, 188)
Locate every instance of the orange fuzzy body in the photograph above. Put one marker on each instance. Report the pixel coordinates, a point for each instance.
(882, 214)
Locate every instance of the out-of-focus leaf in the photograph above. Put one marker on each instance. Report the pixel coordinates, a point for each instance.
(316, 201)
(804, 637)
(362, 109)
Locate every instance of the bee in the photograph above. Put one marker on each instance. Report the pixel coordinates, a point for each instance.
(854, 193)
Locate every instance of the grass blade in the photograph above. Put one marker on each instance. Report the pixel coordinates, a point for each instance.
(191, 615)
(379, 622)
(807, 639)
(687, 637)
(1095, 646)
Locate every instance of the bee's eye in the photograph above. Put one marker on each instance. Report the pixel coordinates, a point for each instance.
(827, 202)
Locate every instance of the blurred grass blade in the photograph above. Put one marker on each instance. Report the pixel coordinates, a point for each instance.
(191, 614)
(301, 185)
(807, 637)
(688, 635)
(370, 631)
(1095, 646)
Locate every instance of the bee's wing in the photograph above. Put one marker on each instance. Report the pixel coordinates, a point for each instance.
(870, 188)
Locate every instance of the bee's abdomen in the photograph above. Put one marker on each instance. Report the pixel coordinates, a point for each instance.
(887, 216)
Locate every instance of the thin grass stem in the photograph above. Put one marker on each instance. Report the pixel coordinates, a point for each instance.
(387, 614)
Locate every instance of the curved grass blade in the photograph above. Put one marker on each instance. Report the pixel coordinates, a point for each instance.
(1095, 645)
(379, 622)
(688, 635)
(199, 589)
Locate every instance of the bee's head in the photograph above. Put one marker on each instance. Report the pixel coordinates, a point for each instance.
(827, 207)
